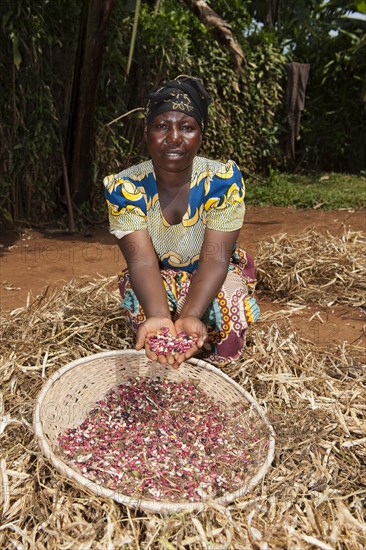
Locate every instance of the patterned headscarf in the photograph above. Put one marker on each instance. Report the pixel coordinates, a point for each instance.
(185, 94)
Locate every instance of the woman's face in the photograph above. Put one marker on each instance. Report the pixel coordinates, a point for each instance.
(173, 140)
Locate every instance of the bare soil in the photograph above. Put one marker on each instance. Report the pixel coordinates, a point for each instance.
(36, 262)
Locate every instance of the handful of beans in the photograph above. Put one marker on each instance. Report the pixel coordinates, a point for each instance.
(164, 343)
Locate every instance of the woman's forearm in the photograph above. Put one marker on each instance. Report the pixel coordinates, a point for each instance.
(144, 272)
(211, 273)
(205, 286)
(148, 286)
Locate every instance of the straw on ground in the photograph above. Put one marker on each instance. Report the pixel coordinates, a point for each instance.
(314, 494)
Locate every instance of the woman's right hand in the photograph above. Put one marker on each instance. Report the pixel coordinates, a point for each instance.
(150, 328)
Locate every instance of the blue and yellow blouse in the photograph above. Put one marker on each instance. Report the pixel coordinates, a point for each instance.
(216, 201)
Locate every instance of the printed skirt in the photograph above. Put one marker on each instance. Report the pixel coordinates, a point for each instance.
(227, 317)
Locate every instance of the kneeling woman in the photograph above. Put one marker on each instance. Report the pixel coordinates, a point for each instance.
(177, 218)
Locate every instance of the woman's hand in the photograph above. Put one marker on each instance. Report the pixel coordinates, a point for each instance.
(150, 328)
(196, 330)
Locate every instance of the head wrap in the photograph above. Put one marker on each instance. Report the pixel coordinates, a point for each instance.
(185, 94)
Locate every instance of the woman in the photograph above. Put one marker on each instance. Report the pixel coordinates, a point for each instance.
(177, 218)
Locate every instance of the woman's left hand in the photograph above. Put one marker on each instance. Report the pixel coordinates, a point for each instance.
(194, 328)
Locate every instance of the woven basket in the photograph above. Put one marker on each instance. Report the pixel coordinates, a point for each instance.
(72, 392)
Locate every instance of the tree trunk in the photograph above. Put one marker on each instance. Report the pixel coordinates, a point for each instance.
(80, 139)
(271, 12)
(222, 29)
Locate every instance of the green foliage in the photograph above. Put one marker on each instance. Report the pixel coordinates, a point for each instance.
(38, 41)
(361, 5)
(334, 122)
(326, 191)
(323, 34)
(243, 113)
(334, 125)
(32, 42)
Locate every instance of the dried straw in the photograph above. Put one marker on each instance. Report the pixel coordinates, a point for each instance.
(312, 497)
(313, 267)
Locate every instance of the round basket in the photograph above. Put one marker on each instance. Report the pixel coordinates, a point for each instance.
(71, 393)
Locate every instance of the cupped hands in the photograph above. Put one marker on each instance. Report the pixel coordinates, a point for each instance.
(190, 326)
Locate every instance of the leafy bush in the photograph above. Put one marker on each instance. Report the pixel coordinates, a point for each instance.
(333, 127)
(243, 113)
(38, 44)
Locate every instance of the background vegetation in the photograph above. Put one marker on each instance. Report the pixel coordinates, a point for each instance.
(326, 191)
(39, 52)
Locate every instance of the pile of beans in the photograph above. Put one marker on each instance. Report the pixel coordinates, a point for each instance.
(166, 440)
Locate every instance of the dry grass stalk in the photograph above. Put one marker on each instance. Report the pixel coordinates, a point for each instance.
(313, 267)
(313, 496)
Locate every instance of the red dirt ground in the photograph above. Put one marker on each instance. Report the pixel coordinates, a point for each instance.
(31, 260)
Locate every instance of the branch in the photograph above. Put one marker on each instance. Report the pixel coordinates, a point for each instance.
(222, 30)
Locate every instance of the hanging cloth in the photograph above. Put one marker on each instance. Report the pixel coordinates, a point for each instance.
(297, 79)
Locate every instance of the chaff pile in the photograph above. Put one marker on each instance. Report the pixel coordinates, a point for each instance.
(312, 497)
(313, 267)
